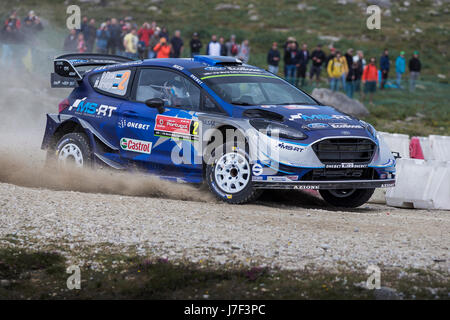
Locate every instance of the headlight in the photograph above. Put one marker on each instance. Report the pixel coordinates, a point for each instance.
(369, 128)
(277, 130)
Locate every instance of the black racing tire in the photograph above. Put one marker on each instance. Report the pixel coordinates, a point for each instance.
(248, 192)
(81, 149)
(347, 198)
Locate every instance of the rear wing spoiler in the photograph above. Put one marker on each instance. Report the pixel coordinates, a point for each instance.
(67, 74)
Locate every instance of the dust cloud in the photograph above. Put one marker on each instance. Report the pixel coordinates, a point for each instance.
(25, 98)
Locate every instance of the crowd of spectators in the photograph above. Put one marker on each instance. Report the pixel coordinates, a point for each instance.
(344, 71)
(125, 37)
(16, 31)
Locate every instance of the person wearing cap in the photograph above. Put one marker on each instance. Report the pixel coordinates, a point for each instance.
(414, 70)
(195, 45)
(400, 66)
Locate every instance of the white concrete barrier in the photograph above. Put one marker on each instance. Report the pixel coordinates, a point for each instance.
(423, 184)
(440, 147)
(397, 143)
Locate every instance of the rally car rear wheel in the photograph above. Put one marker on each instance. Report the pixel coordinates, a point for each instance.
(348, 198)
(229, 177)
(73, 149)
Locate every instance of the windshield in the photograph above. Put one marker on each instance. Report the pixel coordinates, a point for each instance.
(256, 90)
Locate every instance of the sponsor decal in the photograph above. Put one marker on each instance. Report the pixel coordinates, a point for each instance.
(135, 125)
(318, 125)
(306, 187)
(313, 117)
(345, 126)
(297, 107)
(193, 77)
(176, 128)
(290, 147)
(257, 178)
(282, 178)
(139, 146)
(257, 169)
(115, 82)
(388, 185)
(175, 66)
(349, 165)
(346, 133)
(214, 68)
(84, 107)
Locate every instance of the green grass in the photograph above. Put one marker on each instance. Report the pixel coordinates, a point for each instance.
(41, 275)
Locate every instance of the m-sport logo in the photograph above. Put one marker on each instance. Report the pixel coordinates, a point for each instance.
(136, 145)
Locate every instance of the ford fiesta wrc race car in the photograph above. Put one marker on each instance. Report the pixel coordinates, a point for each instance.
(213, 120)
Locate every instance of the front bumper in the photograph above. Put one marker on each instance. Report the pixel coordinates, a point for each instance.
(316, 185)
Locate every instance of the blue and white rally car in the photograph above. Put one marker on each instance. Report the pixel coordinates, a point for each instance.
(213, 120)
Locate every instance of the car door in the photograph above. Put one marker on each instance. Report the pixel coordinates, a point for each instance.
(162, 143)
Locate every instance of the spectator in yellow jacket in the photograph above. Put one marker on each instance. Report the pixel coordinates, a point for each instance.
(337, 68)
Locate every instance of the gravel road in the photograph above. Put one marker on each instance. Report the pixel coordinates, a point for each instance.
(288, 235)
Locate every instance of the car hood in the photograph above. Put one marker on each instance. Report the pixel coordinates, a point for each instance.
(315, 120)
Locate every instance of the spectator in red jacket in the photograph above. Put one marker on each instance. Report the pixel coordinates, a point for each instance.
(144, 34)
(370, 79)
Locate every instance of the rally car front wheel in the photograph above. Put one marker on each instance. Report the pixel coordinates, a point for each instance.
(348, 198)
(73, 149)
(229, 176)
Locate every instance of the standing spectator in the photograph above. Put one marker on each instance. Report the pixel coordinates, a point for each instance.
(318, 58)
(232, 47)
(195, 45)
(359, 59)
(400, 67)
(244, 51)
(349, 57)
(13, 22)
(164, 33)
(414, 70)
(370, 79)
(223, 47)
(144, 34)
(7, 38)
(213, 47)
(337, 66)
(81, 44)
(91, 34)
(154, 40)
(162, 49)
(84, 27)
(130, 43)
(304, 60)
(351, 79)
(177, 44)
(273, 58)
(291, 62)
(103, 36)
(71, 42)
(115, 41)
(384, 67)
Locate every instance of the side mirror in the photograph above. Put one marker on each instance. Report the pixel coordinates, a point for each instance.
(157, 103)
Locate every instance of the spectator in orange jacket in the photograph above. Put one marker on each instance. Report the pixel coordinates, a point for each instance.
(370, 79)
(163, 48)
